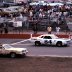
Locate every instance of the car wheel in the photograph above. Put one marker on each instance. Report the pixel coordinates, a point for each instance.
(12, 55)
(24, 55)
(37, 43)
(59, 44)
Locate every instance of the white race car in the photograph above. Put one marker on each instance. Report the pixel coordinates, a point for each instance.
(6, 49)
(50, 39)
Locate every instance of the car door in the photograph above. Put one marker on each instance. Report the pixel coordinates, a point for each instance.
(47, 40)
(0, 50)
(3, 51)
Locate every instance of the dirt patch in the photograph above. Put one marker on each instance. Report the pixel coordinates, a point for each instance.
(36, 64)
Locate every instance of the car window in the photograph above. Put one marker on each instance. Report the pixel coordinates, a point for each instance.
(42, 36)
(47, 37)
(7, 46)
(0, 46)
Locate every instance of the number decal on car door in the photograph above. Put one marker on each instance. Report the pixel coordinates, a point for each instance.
(47, 42)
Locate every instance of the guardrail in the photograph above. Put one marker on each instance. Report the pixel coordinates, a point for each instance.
(27, 36)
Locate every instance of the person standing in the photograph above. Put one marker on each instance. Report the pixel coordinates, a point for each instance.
(35, 29)
(1, 30)
(57, 30)
(5, 30)
(49, 29)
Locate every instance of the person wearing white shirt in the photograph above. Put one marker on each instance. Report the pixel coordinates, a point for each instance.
(57, 30)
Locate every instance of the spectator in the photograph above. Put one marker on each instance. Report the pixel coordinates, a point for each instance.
(57, 30)
(49, 29)
(35, 29)
(40, 15)
(5, 30)
(1, 30)
(31, 14)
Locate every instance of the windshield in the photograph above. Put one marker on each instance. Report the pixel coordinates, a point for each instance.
(7, 46)
(52, 36)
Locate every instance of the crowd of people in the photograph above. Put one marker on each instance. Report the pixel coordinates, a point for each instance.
(34, 14)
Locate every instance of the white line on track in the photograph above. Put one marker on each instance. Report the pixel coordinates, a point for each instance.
(20, 42)
(60, 56)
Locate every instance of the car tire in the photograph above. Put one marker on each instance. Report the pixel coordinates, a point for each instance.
(12, 55)
(59, 44)
(37, 43)
(24, 55)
